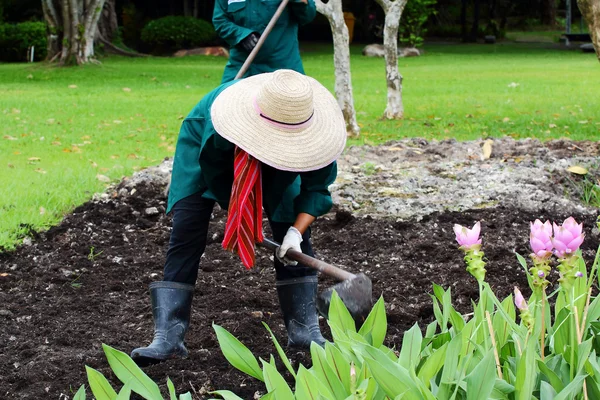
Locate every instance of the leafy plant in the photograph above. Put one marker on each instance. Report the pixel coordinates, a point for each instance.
(177, 32)
(415, 15)
(489, 354)
(15, 39)
(133, 378)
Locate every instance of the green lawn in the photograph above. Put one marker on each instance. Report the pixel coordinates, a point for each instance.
(64, 132)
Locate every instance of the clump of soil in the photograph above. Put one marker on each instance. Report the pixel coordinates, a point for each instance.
(85, 282)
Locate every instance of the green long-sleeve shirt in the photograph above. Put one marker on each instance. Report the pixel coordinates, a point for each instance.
(204, 163)
(234, 20)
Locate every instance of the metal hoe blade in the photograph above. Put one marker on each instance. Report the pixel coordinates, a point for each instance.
(356, 293)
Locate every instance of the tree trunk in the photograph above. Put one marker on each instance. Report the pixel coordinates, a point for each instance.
(590, 10)
(393, 12)
(341, 61)
(187, 12)
(196, 6)
(548, 12)
(463, 21)
(72, 26)
(108, 27)
(475, 26)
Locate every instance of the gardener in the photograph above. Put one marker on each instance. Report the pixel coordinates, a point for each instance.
(241, 22)
(270, 140)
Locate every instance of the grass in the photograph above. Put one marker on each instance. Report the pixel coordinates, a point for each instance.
(67, 132)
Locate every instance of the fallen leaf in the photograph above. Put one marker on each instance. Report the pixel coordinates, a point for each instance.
(15, 111)
(187, 86)
(552, 126)
(10, 165)
(40, 171)
(8, 137)
(42, 210)
(583, 122)
(116, 121)
(103, 178)
(487, 149)
(513, 85)
(72, 86)
(576, 169)
(469, 116)
(505, 119)
(126, 89)
(50, 120)
(34, 159)
(29, 76)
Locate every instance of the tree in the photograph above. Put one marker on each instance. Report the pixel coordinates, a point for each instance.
(393, 11)
(72, 26)
(590, 9)
(341, 61)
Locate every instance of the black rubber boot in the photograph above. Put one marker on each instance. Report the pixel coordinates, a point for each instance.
(171, 307)
(297, 300)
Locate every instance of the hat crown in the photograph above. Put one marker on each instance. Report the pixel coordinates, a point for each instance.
(287, 98)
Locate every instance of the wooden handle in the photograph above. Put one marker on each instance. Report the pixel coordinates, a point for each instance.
(261, 40)
(309, 261)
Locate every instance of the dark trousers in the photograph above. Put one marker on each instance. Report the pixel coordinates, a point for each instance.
(191, 217)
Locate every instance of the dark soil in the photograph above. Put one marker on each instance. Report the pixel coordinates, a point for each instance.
(84, 283)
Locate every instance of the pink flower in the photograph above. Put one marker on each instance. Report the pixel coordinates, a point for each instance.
(567, 237)
(540, 238)
(520, 300)
(468, 238)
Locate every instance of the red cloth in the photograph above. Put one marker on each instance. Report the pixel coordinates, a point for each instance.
(244, 219)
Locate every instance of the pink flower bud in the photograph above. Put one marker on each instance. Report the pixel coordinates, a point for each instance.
(468, 238)
(541, 274)
(579, 274)
(540, 238)
(520, 300)
(567, 237)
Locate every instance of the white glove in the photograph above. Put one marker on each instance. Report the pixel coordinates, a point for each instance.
(292, 240)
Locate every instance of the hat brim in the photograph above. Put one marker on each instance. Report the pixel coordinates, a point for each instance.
(312, 147)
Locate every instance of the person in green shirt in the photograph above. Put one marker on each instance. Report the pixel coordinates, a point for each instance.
(241, 22)
(268, 142)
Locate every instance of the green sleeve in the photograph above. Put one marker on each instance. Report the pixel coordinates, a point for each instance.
(226, 29)
(304, 13)
(314, 197)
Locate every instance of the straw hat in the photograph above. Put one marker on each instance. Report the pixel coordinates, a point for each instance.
(283, 118)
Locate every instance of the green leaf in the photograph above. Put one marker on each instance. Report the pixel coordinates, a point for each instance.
(275, 383)
(280, 351)
(128, 372)
(552, 377)
(571, 389)
(547, 392)
(237, 354)
(309, 387)
(227, 395)
(526, 373)
(339, 314)
(325, 373)
(432, 365)
(560, 337)
(339, 364)
(101, 389)
(125, 392)
(80, 395)
(451, 361)
(480, 382)
(393, 379)
(411, 347)
(583, 354)
(375, 326)
(185, 396)
(172, 393)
